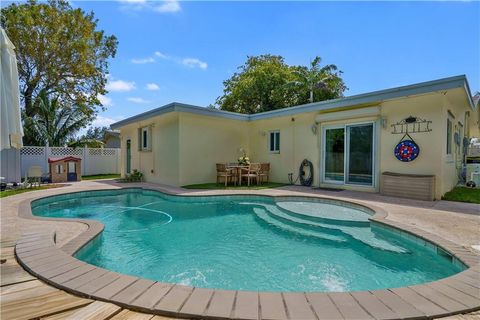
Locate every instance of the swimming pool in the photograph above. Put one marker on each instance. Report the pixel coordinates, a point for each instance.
(247, 242)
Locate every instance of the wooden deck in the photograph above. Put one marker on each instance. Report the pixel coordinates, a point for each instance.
(25, 297)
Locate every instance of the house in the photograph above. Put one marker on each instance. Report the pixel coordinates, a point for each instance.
(351, 141)
(65, 169)
(112, 139)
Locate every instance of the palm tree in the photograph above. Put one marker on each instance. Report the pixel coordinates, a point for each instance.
(316, 79)
(53, 123)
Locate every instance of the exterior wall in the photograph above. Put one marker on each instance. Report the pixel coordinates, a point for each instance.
(161, 164)
(297, 142)
(474, 123)
(112, 142)
(186, 146)
(428, 107)
(205, 141)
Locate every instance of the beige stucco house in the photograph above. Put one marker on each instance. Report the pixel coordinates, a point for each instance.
(351, 141)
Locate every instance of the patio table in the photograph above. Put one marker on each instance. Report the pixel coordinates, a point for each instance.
(238, 170)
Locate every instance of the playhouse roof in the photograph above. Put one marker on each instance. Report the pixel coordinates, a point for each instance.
(70, 158)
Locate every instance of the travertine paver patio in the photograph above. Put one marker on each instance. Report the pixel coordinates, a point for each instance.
(51, 261)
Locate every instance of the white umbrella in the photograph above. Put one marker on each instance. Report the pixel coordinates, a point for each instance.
(10, 118)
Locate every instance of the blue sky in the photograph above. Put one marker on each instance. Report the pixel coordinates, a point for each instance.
(182, 51)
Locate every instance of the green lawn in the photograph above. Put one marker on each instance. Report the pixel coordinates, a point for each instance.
(221, 186)
(101, 176)
(12, 192)
(463, 194)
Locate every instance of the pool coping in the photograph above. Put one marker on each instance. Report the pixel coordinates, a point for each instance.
(38, 253)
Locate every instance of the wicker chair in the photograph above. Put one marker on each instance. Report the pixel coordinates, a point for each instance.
(253, 172)
(264, 171)
(224, 172)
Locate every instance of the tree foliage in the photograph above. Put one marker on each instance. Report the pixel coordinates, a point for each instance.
(93, 138)
(320, 83)
(267, 83)
(59, 51)
(53, 124)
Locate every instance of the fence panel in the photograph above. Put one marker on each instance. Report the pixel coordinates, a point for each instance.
(94, 160)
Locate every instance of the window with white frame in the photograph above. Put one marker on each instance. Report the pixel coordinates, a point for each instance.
(145, 139)
(274, 141)
(449, 135)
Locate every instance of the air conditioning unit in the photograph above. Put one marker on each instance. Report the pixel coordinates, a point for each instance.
(473, 170)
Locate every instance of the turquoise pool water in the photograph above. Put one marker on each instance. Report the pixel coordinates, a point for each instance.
(247, 242)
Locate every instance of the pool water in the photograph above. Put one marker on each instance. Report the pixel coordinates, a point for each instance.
(246, 242)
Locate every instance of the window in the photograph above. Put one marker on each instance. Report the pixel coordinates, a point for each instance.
(449, 136)
(58, 169)
(144, 139)
(274, 143)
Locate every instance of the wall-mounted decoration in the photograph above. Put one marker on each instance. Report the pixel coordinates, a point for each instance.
(411, 125)
(407, 149)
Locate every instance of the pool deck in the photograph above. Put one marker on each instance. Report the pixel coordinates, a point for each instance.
(44, 247)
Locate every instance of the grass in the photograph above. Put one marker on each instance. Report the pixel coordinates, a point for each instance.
(7, 193)
(221, 186)
(102, 176)
(463, 194)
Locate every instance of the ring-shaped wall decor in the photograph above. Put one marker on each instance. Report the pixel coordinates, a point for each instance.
(407, 150)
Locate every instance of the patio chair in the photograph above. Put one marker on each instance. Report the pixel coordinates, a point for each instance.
(224, 172)
(253, 172)
(264, 171)
(34, 175)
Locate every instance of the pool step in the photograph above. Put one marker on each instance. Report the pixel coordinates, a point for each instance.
(362, 234)
(263, 214)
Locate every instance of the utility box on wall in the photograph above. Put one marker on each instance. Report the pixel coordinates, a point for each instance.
(65, 169)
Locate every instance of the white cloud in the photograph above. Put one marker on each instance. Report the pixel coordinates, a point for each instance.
(165, 6)
(194, 62)
(168, 6)
(120, 85)
(101, 121)
(105, 101)
(160, 55)
(152, 86)
(143, 61)
(188, 62)
(137, 100)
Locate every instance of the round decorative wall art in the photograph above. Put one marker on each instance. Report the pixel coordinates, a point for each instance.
(407, 150)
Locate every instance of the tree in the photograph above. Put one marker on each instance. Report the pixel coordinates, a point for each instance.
(54, 122)
(320, 83)
(260, 85)
(267, 83)
(59, 51)
(93, 138)
(96, 133)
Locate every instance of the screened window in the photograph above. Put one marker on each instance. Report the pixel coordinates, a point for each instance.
(144, 139)
(274, 143)
(449, 136)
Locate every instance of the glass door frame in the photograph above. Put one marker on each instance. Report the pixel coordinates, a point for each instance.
(346, 153)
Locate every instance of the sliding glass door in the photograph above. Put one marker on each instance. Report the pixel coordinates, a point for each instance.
(348, 154)
(335, 154)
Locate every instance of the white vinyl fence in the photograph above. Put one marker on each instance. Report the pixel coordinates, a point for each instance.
(94, 160)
